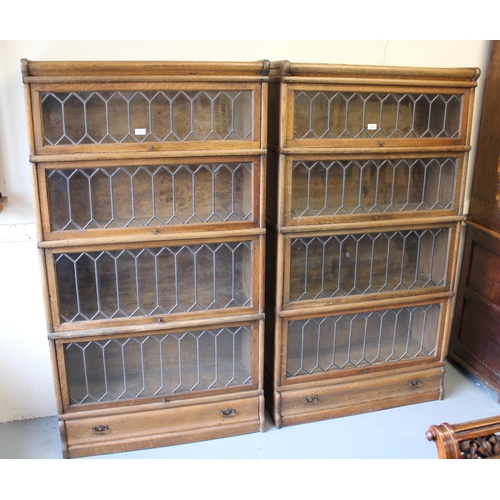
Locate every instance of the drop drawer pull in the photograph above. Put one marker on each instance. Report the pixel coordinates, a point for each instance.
(100, 429)
(415, 383)
(228, 412)
(311, 400)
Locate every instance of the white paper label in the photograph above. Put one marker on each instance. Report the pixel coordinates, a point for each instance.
(372, 126)
(140, 131)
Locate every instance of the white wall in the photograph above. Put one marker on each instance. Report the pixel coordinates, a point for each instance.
(25, 373)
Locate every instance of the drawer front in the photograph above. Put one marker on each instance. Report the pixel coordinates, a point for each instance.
(135, 196)
(361, 395)
(107, 371)
(106, 286)
(146, 116)
(329, 116)
(333, 189)
(164, 427)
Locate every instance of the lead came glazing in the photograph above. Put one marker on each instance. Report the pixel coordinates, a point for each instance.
(345, 115)
(149, 195)
(372, 186)
(338, 266)
(151, 281)
(158, 365)
(354, 340)
(157, 116)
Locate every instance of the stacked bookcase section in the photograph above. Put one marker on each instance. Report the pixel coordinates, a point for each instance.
(149, 181)
(367, 166)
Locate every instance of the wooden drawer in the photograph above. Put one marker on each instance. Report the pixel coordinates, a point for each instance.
(359, 394)
(111, 433)
(126, 198)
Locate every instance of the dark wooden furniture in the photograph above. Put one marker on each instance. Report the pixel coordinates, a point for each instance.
(365, 207)
(3, 201)
(475, 337)
(468, 440)
(149, 181)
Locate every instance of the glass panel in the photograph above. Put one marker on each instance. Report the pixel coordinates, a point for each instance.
(362, 339)
(127, 283)
(158, 365)
(338, 266)
(344, 115)
(372, 186)
(134, 117)
(150, 195)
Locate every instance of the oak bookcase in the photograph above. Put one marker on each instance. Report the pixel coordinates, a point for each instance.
(156, 219)
(366, 172)
(149, 182)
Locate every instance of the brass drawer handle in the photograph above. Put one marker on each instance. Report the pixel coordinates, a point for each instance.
(415, 383)
(100, 429)
(228, 412)
(311, 400)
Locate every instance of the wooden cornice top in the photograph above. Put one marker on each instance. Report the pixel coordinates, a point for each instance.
(45, 71)
(381, 75)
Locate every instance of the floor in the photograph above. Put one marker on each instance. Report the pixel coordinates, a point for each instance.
(389, 434)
